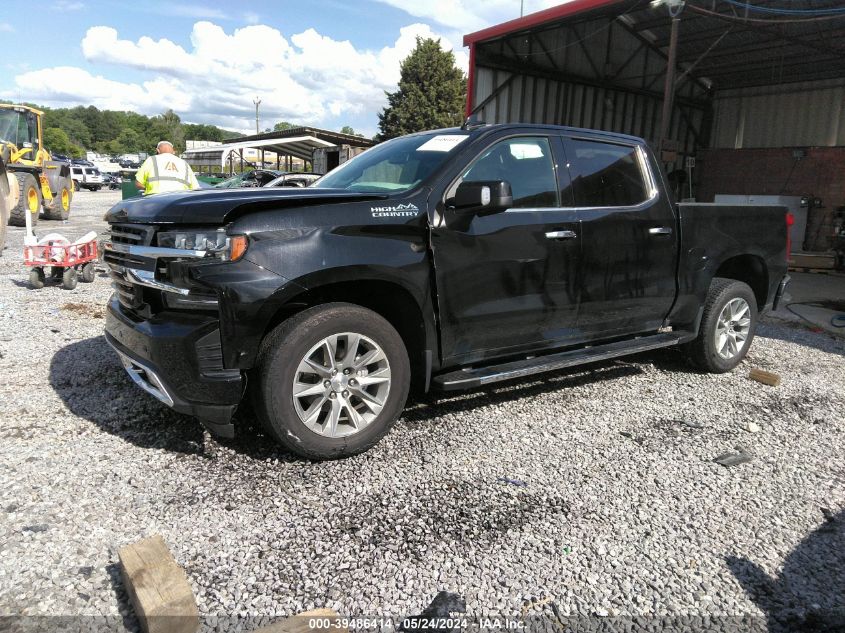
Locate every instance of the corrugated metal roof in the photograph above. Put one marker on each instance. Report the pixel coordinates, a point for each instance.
(727, 46)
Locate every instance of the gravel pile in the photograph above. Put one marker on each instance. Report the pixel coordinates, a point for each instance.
(583, 493)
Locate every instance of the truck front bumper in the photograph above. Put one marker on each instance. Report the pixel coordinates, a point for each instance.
(177, 358)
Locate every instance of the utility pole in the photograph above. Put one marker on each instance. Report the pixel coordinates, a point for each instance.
(257, 103)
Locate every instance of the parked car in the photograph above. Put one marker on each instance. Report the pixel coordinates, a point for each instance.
(60, 157)
(86, 177)
(111, 181)
(252, 178)
(294, 180)
(442, 260)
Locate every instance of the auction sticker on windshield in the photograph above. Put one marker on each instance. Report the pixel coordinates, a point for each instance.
(442, 143)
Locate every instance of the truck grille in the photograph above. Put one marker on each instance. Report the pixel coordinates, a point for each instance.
(129, 294)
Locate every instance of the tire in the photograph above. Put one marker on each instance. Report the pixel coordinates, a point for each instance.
(36, 278)
(60, 209)
(76, 185)
(70, 278)
(282, 357)
(87, 275)
(29, 200)
(743, 317)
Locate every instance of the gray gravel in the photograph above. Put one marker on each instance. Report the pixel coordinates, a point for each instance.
(624, 512)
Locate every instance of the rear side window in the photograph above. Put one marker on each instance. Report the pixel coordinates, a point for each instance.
(605, 174)
(526, 163)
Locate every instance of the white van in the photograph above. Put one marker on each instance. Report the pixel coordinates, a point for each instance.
(85, 177)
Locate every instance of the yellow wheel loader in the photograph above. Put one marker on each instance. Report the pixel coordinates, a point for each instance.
(36, 183)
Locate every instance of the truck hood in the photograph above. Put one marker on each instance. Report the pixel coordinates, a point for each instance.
(216, 206)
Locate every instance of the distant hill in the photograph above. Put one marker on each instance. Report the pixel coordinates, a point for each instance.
(72, 131)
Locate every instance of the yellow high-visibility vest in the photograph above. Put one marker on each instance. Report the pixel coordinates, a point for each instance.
(166, 172)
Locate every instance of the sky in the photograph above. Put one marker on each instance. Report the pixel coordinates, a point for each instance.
(324, 63)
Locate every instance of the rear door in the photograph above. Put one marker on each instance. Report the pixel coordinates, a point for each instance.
(507, 282)
(629, 238)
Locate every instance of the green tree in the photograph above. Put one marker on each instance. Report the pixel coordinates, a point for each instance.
(128, 141)
(281, 126)
(347, 129)
(431, 94)
(57, 141)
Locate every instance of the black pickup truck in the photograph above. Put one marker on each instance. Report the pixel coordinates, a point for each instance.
(442, 260)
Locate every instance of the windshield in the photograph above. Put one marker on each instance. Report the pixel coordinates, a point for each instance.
(393, 166)
(13, 127)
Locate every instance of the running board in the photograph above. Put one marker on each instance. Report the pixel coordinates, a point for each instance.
(477, 376)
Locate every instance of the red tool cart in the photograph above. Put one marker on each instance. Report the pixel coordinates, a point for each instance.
(66, 261)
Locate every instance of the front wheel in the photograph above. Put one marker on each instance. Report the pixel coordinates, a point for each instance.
(727, 326)
(332, 381)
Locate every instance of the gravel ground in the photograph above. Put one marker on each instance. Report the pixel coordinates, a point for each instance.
(589, 492)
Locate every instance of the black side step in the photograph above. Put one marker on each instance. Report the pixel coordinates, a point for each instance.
(478, 376)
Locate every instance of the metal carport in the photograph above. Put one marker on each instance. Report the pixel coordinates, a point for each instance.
(298, 142)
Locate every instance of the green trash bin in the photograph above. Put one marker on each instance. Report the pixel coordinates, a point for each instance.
(128, 189)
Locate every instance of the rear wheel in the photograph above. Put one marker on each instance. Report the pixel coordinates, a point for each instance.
(727, 326)
(36, 278)
(332, 381)
(29, 200)
(60, 207)
(69, 278)
(87, 272)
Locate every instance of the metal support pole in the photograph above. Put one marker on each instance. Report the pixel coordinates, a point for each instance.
(669, 87)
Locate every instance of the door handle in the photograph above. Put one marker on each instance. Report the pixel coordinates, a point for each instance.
(660, 230)
(561, 235)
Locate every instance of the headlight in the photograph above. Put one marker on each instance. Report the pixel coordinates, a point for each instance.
(228, 248)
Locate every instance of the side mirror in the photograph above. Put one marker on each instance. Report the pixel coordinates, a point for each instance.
(482, 198)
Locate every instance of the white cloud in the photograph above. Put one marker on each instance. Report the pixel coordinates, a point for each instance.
(309, 78)
(469, 15)
(5, 27)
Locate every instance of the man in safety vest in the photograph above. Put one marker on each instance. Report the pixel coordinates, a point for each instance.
(165, 172)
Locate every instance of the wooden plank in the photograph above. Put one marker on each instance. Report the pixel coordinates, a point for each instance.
(818, 271)
(158, 588)
(812, 260)
(765, 377)
(307, 622)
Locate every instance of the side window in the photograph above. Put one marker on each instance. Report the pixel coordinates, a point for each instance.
(524, 162)
(605, 174)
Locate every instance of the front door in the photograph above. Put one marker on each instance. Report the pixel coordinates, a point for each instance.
(507, 282)
(629, 238)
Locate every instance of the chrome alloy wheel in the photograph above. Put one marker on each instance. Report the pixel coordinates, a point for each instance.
(732, 328)
(341, 384)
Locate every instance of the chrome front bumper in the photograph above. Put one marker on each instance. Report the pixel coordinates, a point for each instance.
(145, 378)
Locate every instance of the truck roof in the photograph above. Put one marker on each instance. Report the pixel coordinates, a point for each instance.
(486, 128)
